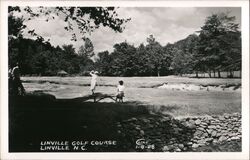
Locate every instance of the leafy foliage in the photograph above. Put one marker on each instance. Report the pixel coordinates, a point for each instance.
(217, 48)
(82, 19)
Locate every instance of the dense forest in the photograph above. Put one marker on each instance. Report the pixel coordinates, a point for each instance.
(214, 49)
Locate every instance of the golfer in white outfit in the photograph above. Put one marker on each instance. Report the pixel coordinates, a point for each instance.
(93, 81)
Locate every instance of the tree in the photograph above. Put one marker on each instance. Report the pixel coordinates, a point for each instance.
(83, 19)
(103, 63)
(123, 59)
(183, 55)
(86, 50)
(15, 26)
(216, 48)
(157, 58)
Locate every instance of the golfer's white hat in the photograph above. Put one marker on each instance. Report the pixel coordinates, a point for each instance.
(96, 72)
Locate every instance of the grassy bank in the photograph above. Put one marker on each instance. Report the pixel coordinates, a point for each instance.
(40, 117)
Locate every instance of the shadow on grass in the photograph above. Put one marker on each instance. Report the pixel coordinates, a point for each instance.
(40, 117)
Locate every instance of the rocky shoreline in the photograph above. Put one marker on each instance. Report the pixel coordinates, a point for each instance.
(187, 134)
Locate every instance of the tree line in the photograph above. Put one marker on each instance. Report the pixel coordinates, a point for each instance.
(214, 49)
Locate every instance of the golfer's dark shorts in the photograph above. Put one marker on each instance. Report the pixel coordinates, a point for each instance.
(120, 95)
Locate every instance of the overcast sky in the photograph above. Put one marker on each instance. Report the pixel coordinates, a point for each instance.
(168, 25)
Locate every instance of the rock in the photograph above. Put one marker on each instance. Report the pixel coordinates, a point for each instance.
(131, 120)
(145, 120)
(191, 121)
(209, 131)
(142, 133)
(226, 116)
(232, 134)
(137, 128)
(235, 119)
(201, 129)
(195, 145)
(198, 122)
(209, 117)
(190, 143)
(218, 126)
(222, 118)
(218, 134)
(214, 133)
(198, 133)
(222, 138)
(211, 127)
(204, 123)
(165, 149)
(204, 135)
(177, 149)
(165, 119)
(202, 126)
(235, 138)
(201, 142)
(170, 147)
(181, 146)
(176, 131)
(191, 126)
(215, 141)
(209, 139)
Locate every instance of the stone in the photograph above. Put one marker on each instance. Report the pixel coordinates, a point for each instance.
(157, 140)
(222, 118)
(226, 116)
(191, 125)
(218, 126)
(165, 149)
(204, 135)
(209, 139)
(209, 131)
(211, 127)
(145, 120)
(165, 119)
(131, 120)
(202, 141)
(201, 129)
(218, 134)
(204, 123)
(198, 122)
(171, 147)
(214, 133)
(142, 133)
(222, 138)
(195, 145)
(177, 149)
(198, 133)
(181, 146)
(215, 141)
(191, 121)
(190, 143)
(235, 138)
(137, 128)
(176, 131)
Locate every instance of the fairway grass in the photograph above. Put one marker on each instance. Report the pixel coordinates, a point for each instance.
(139, 89)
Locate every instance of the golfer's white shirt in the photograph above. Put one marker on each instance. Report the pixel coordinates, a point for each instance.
(120, 88)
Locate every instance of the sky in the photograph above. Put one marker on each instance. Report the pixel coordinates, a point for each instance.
(168, 25)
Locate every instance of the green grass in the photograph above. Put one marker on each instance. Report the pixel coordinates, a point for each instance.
(138, 89)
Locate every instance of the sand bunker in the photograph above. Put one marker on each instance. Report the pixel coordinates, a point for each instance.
(193, 87)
